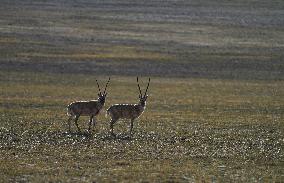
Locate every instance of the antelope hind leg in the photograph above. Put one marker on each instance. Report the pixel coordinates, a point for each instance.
(69, 123)
(111, 125)
(76, 122)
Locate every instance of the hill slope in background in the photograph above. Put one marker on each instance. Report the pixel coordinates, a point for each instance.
(230, 40)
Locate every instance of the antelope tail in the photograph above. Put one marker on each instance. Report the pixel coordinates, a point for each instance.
(69, 111)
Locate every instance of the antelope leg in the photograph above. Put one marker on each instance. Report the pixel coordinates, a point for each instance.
(69, 123)
(131, 126)
(90, 122)
(111, 125)
(76, 123)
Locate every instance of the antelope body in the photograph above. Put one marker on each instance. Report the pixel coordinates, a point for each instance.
(128, 111)
(125, 111)
(86, 108)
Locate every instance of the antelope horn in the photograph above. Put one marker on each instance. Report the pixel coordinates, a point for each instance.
(139, 87)
(98, 86)
(106, 85)
(147, 88)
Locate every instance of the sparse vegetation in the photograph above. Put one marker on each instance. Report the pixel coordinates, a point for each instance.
(202, 130)
(216, 103)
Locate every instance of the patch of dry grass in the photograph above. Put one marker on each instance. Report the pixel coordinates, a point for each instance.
(192, 130)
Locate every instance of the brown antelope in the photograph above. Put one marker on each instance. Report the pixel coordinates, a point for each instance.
(128, 111)
(87, 108)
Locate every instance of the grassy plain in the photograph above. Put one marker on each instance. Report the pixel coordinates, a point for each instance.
(216, 107)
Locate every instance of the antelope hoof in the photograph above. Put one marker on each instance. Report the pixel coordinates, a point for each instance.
(112, 134)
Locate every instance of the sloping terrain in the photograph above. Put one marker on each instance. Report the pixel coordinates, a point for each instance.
(234, 40)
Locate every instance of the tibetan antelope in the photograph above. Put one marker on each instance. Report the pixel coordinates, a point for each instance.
(87, 108)
(128, 111)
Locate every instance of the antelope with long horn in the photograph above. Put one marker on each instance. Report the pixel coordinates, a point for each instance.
(128, 111)
(87, 108)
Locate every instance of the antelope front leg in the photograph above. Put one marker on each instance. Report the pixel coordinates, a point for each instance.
(131, 127)
(90, 122)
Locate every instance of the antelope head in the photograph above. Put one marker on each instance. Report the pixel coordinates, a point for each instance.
(143, 98)
(102, 96)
